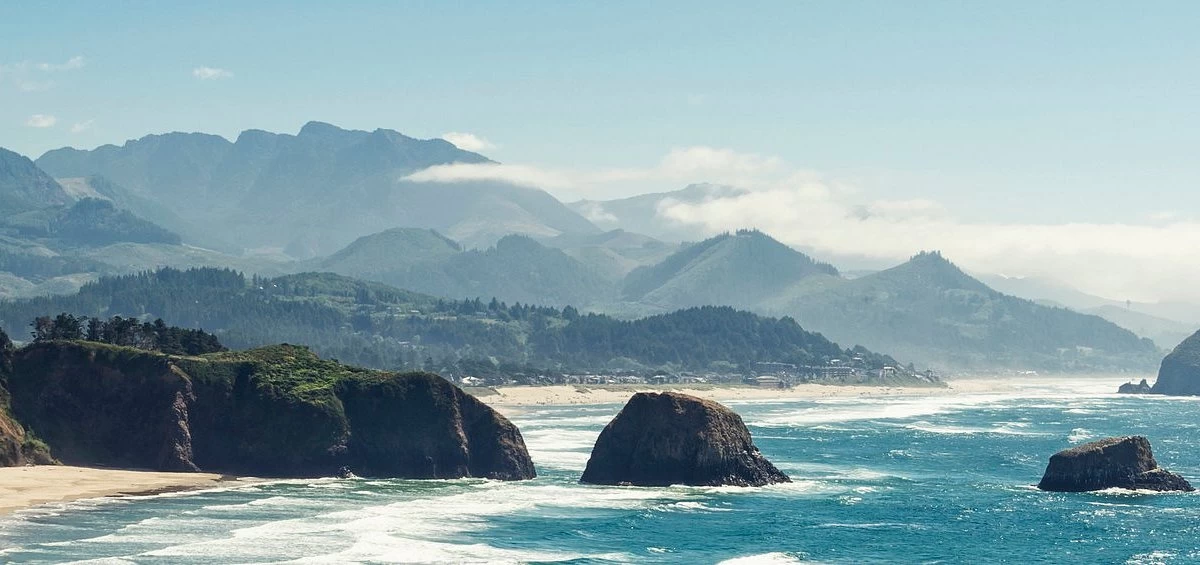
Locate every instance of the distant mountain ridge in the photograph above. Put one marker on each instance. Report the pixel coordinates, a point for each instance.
(929, 309)
(739, 269)
(640, 213)
(314, 192)
(25, 187)
(516, 269)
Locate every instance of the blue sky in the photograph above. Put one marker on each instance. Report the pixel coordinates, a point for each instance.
(1031, 112)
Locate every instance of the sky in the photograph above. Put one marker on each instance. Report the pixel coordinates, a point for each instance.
(1030, 138)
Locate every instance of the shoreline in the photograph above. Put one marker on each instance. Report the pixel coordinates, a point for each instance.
(510, 397)
(31, 486)
(510, 400)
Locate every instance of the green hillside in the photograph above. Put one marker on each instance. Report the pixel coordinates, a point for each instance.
(380, 326)
(742, 269)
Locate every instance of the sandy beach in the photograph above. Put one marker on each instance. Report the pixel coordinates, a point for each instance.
(517, 396)
(22, 487)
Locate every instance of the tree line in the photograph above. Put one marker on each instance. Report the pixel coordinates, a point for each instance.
(128, 332)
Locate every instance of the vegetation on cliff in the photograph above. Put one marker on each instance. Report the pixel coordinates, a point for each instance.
(273, 411)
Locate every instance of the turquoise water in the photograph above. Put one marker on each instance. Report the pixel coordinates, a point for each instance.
(904, 479)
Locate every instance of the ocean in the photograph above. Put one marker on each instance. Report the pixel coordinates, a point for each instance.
(905, 479)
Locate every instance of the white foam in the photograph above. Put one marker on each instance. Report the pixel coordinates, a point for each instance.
(773, 558)
(1007, 428)
(1080, 435)
(560, 449)
(418, 530)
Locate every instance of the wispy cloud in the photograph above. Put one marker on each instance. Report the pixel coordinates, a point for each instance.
(678, 167)
(520, 175)
(468, 141)
(41, 121)
(1151, 260)
(70, 65)
(211, 73)
(80, 127)
(31, 76)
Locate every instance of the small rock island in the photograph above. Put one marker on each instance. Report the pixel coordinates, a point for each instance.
(667, 438)
(1115, 462)
(1131, 388)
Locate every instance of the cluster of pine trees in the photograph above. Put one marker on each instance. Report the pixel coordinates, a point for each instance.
(129, 332)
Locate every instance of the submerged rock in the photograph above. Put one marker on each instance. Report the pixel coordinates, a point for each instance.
(1179, 373)
(1115, 462)
(667, 438)
(1139, 388)
(275, 411)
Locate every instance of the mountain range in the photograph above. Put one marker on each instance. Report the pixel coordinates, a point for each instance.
(314, 192)
(338, 200)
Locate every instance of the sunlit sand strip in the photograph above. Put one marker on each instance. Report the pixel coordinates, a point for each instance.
(23, 487)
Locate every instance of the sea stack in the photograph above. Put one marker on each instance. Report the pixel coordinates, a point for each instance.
(1179, 374)
(1115, 462)
(667, 438)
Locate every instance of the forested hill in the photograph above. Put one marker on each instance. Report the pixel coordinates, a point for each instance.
(380, 326)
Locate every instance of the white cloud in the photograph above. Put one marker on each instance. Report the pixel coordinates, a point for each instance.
(468, 141)
(211, 73)
(677, 168)
(83, 126)
(1151, 261)
(71, 64)
(29, 76)
(1118, 261)
(41, 121)
(513, 174)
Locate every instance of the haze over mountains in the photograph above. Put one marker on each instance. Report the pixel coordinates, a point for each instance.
(339, 201)
(312, 193)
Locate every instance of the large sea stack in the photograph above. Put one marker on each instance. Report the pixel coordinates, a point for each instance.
(667, 438)
(275, 411)
(1115, 462)
(1179, 374)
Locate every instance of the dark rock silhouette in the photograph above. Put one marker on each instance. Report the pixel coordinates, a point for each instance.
(1116, 462)
(1139, 388)
(667, 438)
(1179, 373)
(276, 411)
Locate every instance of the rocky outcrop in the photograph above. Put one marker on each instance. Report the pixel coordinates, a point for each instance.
(16, 446)
(278, 411)
(1179, 373)
(667, 438)
(1139, 388)
(1117, 462)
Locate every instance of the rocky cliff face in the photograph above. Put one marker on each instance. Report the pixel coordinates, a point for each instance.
(1179, 374)
(667, 438)
(16, 446)
(1118, 462)
(278, 411)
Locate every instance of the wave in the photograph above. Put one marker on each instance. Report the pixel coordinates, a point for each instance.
(773, 558)
(1007, 428)
(425, 529)
(1080, 435)
(825, 411)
